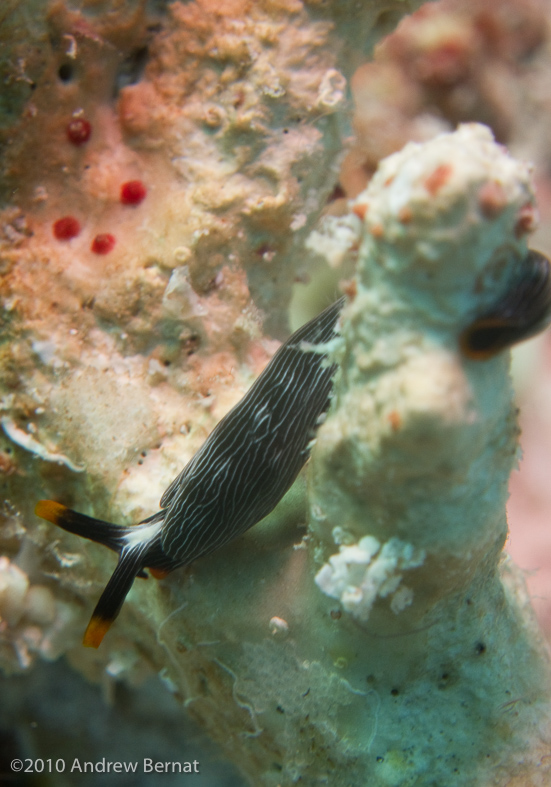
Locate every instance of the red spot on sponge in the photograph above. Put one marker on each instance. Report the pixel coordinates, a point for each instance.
(78, 131)
(133, 192)
(66, 228)
(103, 243)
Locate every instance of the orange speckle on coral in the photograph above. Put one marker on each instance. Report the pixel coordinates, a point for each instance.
(405, 215)
(492, 199)
(360, 210)
(66, 228)
(434, 182)
(526, 220)
(394, 420)
(103, 243)
(78, 131)
(389, 180)
(377, 230)
(133, 192)
(350, 288)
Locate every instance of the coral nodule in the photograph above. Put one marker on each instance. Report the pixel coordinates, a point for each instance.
(79, 131)
(133, 192)
(103, 243)
(66, 228)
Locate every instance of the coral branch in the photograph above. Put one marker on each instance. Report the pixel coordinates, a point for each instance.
(409, 476)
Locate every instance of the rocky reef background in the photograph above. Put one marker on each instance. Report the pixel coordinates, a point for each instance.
(249, 126)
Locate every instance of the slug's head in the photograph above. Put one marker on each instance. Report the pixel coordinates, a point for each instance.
(521, 312)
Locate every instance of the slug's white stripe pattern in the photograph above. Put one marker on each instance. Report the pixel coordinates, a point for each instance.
(238, 476)
(254, 454)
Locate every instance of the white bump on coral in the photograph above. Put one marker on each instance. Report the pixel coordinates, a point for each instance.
(279, 626)
(335, 236)
(332, 89)
(401, 599)
(14, 584)
(360, 573)
(40, 605)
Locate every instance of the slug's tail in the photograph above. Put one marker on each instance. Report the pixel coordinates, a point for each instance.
(105, 533)
(112, 598)
(137, 546)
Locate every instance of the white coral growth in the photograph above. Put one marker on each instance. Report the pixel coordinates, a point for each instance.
(14, 585)
(360, 573)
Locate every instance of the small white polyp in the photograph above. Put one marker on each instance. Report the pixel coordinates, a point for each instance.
(356, 575)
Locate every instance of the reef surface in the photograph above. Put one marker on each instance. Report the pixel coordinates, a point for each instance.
(193, 147)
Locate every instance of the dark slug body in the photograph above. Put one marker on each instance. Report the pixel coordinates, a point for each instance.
(256, 451)
(520, 313)
(236, 478)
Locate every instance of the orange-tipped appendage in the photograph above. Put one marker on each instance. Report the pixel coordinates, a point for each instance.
(96, 631)
(50, 510)
(158, 573)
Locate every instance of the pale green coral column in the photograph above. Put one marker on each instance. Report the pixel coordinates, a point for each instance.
(408, 480)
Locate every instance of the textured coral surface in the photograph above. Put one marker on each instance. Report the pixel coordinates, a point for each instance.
(408, 496)
(461, 60)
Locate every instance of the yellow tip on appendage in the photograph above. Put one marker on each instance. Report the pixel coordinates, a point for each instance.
(50, 510)
(95, 632)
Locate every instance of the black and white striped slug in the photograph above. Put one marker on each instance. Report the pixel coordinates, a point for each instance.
(237, 477)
